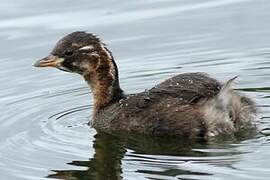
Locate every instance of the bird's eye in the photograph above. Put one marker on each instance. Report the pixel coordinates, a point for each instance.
(68, 53)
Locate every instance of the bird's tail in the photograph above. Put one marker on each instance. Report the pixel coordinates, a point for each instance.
(219, 111)
(225, 95)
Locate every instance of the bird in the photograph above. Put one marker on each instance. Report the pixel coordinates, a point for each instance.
(188, 105)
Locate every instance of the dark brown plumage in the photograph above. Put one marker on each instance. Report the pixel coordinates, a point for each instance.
(191, 105)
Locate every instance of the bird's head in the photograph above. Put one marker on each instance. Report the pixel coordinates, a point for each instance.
(84, 53)
(78, 52)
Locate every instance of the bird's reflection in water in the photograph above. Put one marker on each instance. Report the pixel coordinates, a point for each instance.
(106, 163)
(110, 150)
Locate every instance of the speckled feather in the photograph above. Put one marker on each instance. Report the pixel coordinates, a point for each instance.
(167, 109)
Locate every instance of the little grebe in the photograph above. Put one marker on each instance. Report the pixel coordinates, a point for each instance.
(190, 105)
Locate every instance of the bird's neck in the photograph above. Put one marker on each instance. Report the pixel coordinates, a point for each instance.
(104, 84)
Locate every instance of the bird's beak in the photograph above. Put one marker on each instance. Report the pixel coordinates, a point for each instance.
(49, 61)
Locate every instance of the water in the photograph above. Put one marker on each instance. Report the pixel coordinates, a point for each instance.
(44, 112)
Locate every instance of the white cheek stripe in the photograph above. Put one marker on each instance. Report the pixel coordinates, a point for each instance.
(87, 47)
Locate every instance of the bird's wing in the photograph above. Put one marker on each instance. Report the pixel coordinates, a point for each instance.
(187, 87)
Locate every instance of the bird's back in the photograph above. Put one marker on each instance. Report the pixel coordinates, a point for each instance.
(187, 87)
